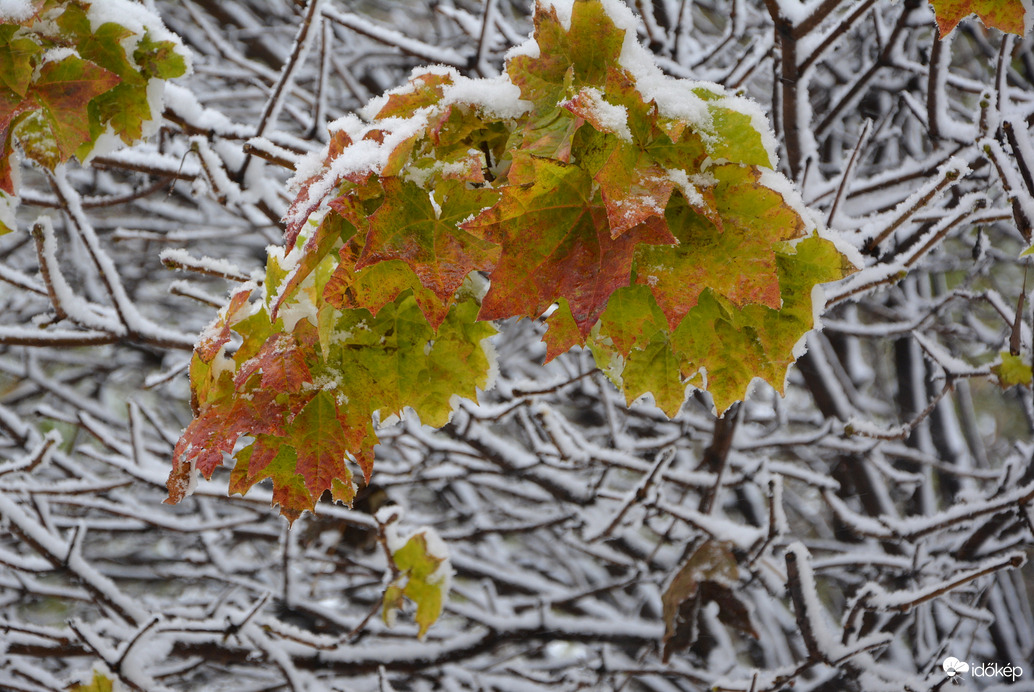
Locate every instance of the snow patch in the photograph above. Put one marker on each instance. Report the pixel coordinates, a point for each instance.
(14, 11)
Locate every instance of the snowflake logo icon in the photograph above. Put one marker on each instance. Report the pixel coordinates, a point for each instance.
(953, 666)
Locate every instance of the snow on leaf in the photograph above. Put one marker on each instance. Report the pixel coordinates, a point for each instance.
(421, 91)
(1007, 15)
(556, 243)
(734, 138)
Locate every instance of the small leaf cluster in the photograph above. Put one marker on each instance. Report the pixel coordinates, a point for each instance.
(66, 78)
(639, 212)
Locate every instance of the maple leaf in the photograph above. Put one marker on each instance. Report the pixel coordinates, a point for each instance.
(159, 58)
(734, 345)
(422, 231)
(103, 47)
(16, 55)
(556, 244)
(304, 204)
(420, 579)
(737, 261)
(422, 90)
(632, 319)
(126, 108)
(656, 370)
(64, 89)
(268, 457)
(562, 333)
(11, 106)
(732, 136)
(1013, 370)
(99, 683)
(331, 229)
(310, 460)
(709, 574)
(578, 56)
(218, 333)
(1007, 15)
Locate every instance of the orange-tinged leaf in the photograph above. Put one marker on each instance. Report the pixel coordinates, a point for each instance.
(64, 89)
(557, 244)
(562, 333)
(635, 189)
(218, 333)
(422, 90)
(269, 458)
(1007, 15)
(323, 444)
(304, 204)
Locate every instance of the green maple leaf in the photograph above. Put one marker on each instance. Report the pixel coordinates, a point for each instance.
(556, 244)
(422, 232)
(737, 261)
(103, 47)
(1007, 15)
(457, 363)
(419, 580)
(63, 90)
(734, 345)
(159, 59)
(656, 370)
(632, 319)
(16, 56)
(732, 136)
(1013, 370)
(126, 108)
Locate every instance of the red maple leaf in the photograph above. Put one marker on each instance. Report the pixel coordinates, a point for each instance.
(409, 227)
(557, 244)
(64, 89)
